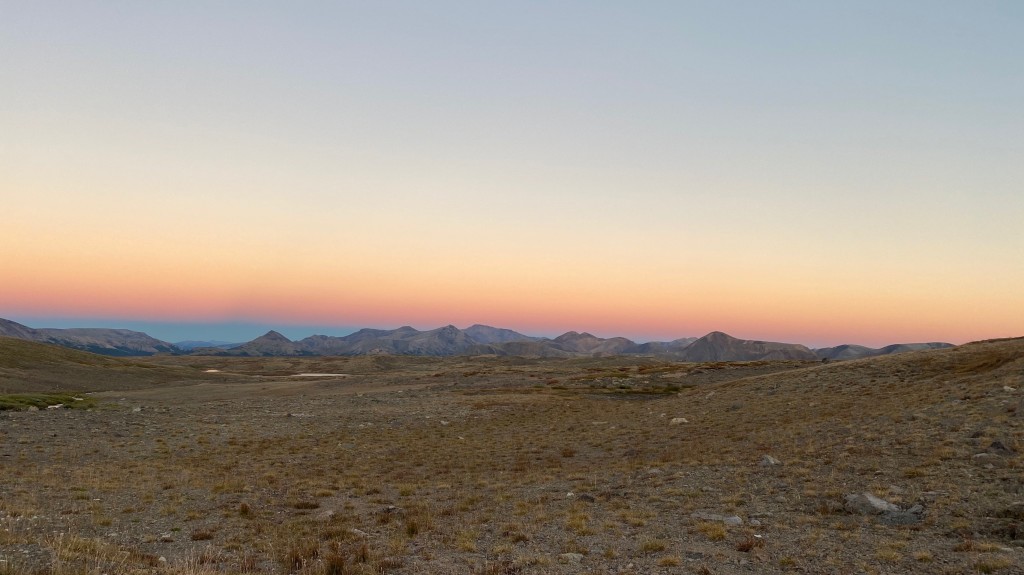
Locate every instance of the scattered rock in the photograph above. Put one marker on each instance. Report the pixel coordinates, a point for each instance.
(1008, 388)
(988, 460)
(166, 538)
(136, 409)
(913, 515)
(571, 558)
(727, 519)
(586, 497)
(889, 514)
(999, 448)
(32, 408)
(678, 421)
(769, 461)
(868, 504)
(705, 516)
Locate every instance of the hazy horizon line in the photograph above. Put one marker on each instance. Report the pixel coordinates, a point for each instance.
(242, 331)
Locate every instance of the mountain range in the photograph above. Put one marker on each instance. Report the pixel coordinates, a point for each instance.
(115, 342)
(448, 341)
(848, 351)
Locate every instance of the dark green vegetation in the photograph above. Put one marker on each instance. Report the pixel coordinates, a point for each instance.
(19, 401)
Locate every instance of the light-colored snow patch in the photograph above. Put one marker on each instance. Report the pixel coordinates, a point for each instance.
(213, 371)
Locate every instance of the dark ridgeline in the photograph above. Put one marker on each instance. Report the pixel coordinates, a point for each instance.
(452, 341)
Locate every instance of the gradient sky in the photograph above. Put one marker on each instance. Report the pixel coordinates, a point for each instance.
(817, 172)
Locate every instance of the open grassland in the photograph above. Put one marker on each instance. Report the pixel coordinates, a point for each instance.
(30, 367)
(501, 465)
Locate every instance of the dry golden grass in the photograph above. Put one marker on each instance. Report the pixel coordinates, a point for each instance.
(395, 470)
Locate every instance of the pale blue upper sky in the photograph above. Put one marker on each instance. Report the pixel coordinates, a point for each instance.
(886, 138)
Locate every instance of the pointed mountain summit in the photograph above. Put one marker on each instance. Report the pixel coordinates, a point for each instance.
(272, 336)
(719, 346)
(270, 343)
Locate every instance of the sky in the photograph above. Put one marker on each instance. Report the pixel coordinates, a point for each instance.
(811, 172)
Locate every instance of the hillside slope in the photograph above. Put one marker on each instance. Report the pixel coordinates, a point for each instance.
(29, 366)
(114, 342)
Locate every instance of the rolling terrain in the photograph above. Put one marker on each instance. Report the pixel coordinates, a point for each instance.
(28, 366)
(619, 464)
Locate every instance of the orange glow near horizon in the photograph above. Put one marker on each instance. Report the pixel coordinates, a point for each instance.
(151, 290)
(456, 173)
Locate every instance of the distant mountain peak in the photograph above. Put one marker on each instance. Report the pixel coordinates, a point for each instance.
(720, 346)
(574, 335)
(273, 336)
